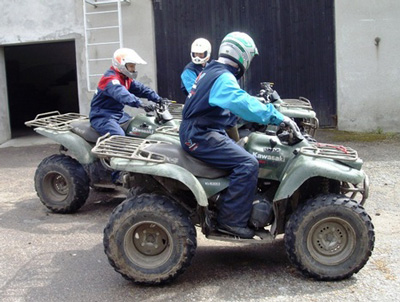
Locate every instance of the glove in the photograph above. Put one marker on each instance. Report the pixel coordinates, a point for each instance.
(162, 101)
(149, 108)
(288, 122)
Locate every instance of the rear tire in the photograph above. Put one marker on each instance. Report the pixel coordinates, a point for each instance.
(61, 184)
(149, 239)
(329, 238)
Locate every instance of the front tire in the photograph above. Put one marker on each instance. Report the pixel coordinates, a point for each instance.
(61, 184)
(149, 239)
(329, 238)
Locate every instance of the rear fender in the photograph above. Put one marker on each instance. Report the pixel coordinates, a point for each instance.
(305, 167)
(165, 138)
(163, 170)
(80, 148)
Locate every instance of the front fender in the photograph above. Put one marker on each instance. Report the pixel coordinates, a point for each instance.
(305, 167)
(80, 148)
(164, 170)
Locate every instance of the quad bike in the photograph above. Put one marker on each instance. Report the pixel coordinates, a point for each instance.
(300, 110)
(306, 191)
(63, 181)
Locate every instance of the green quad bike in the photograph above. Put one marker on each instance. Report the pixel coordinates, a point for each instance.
(313, 193)
(63, 181)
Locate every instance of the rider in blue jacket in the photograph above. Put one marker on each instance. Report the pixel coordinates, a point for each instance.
(116, 89)
(210, 107)
(200, 54)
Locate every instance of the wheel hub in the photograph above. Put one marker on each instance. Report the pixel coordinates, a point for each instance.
(331, 241)
(60, 185)
(330, 238)
(56, 186)
(149, 239)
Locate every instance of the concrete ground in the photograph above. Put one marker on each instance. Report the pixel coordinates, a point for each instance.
(52, 257)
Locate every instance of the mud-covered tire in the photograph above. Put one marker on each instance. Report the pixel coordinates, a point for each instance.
(61, 183)
(149, 239)
(329, 238)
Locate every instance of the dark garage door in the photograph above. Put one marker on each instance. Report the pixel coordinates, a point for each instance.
(40, 78)
(295, 40)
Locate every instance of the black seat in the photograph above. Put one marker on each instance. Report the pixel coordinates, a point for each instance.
(84, 130)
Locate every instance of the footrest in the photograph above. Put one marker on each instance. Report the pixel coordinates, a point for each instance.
(261, 236)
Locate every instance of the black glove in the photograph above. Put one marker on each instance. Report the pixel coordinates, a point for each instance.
(162, 101)
(149, 108)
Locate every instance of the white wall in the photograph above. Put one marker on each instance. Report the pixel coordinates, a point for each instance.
(368, 90)
(37, 21)
(138, 34)
(5, 131)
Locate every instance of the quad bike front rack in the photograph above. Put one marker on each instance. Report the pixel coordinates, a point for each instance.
(336, 152)
(344, 154)
(54, 120)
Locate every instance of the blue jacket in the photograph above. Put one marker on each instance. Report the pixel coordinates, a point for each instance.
(114, 91)
(216, 97)
(189, 75)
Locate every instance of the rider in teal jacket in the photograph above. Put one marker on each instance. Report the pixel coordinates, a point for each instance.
(212, 104)
(200, 54)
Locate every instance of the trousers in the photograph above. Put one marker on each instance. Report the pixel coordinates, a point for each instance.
(216, 148)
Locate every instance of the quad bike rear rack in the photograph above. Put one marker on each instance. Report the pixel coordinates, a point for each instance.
(301, 102)
(176, 110)
(126, 147)
(54, 120)
(311, 125)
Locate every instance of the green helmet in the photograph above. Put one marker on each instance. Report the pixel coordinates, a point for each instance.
(240, 48)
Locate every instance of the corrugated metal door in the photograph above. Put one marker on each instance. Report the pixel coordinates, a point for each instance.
(295, 40)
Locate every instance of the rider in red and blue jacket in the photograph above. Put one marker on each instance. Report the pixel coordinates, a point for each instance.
(116, 89)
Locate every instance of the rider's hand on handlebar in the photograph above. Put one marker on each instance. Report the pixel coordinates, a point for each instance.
(163, 101)
(149, 108)
(288, 122)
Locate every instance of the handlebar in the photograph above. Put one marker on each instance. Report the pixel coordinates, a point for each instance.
(288, 135)
(268, 93)
(160, 109)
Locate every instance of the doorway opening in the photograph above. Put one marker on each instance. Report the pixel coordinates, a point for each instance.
(40, 78)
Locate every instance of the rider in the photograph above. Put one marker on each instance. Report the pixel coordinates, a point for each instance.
(116, 89)
(200, 54)
(210, 105)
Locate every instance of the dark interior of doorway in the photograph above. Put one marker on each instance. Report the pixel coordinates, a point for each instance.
(40, 78)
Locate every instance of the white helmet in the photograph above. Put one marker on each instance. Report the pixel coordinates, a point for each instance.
(200, 45)
(240, 48)
(123, 56)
